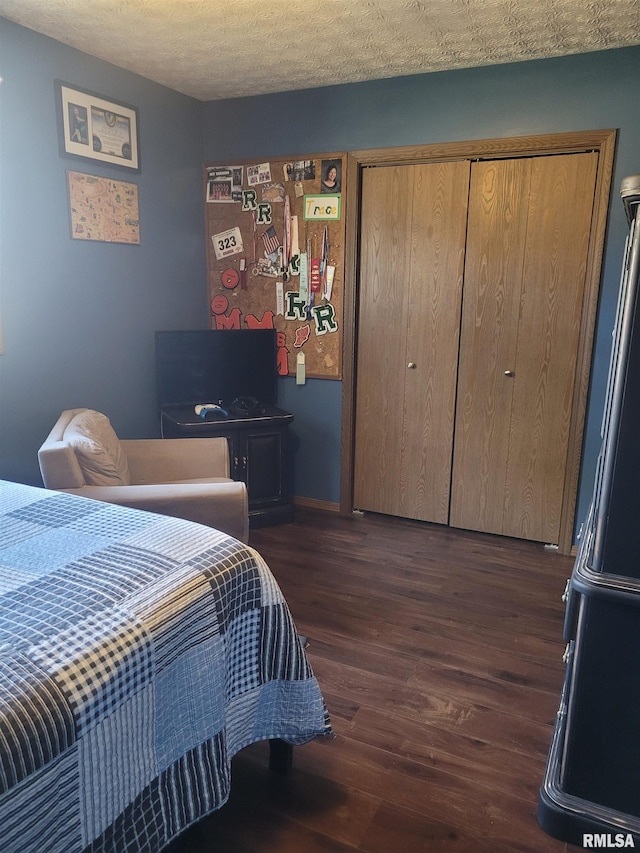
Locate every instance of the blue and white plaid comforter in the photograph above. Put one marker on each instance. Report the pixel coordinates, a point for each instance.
(138, 654)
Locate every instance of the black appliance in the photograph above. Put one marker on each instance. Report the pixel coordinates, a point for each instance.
(592, 778)
(216, 366)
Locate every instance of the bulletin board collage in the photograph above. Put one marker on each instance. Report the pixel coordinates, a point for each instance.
(275, 256)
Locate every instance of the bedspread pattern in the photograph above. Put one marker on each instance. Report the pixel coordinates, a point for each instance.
(138, 654)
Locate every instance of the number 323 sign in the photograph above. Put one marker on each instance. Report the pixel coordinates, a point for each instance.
(227, 243)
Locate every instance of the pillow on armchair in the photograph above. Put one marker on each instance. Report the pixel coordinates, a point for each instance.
(97, 449)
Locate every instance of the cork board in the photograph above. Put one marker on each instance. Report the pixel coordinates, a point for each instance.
(275, 255)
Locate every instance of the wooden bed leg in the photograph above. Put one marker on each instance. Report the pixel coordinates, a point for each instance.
(280, 756)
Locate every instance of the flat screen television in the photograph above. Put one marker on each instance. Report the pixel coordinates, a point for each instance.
(216, 366)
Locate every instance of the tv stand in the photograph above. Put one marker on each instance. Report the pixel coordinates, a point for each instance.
(258, 450)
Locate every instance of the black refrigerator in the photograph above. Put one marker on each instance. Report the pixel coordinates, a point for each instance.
(592, 777)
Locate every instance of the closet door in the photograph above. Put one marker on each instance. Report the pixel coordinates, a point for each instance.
(527, 243)
(410, 288)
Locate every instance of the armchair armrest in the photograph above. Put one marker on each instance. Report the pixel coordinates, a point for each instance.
(164, 460)
(59, 466)
(223, 506)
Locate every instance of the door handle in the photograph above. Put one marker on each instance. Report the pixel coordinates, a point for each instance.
(509, 373)
(412, 365)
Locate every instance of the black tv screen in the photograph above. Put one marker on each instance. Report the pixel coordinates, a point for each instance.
(216, 366)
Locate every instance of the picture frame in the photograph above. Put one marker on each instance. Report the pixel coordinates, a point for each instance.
(95, 128)
(103, 209)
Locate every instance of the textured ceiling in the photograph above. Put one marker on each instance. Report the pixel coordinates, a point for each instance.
(213, 49)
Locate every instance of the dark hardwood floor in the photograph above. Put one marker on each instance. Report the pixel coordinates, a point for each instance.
(439, 653)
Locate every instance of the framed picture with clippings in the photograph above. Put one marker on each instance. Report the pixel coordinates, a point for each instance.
(95, 128)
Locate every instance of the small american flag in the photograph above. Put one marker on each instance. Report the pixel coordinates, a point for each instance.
(270, 240)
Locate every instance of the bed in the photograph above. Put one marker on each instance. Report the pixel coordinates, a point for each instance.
(138, 654)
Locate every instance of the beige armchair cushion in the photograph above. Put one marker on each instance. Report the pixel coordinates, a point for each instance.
(98, 449)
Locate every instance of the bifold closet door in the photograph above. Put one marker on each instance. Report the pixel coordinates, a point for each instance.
(527, 243)
(412, 228)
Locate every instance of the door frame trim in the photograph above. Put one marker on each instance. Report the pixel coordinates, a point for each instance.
(601, 141)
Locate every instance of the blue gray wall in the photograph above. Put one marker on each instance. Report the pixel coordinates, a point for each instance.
(593, 91)
(78, 318)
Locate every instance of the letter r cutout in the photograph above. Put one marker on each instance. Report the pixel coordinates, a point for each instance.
(296, 308)
(249, 200)
(325, 318)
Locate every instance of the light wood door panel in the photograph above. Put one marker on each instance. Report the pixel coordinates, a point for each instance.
(433, 336)
(493, 269)
(382, 329)
(412, 260)
(527, 245)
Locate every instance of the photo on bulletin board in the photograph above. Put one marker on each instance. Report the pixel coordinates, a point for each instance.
(275, 255)
(224, 185)
(331, 177)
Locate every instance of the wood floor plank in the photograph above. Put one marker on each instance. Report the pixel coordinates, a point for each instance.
(429, 791)
(487, 764)
(439, 654)
(454, 652)
(449, 714)
(421, 835)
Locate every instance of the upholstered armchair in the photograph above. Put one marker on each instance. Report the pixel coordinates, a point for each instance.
(183, 477)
